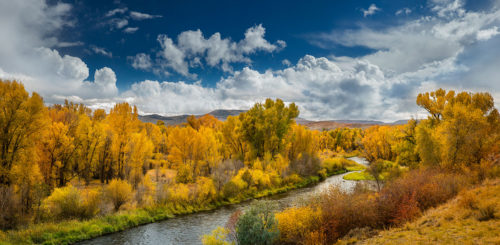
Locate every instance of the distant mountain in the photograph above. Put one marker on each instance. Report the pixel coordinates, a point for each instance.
(176, 120)
(328, 125)
(333, 124)
(360, 122)
(223, 114)
(315, 125)
(401, 122)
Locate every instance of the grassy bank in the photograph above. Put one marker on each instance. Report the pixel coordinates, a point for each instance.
(363, 175)
(388, 169)
(67, 232)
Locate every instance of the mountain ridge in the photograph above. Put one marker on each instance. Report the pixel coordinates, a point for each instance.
(222, 114)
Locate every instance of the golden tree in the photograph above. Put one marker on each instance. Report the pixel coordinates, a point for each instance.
(123, 121)
(22, 117)
(91, 136)
(139, 150)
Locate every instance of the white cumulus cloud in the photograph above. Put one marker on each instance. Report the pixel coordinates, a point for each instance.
(192, 49)
(27, 53)
(141, 61)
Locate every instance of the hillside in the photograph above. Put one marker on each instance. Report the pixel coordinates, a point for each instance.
(176, 120)
(314, 125)
(473, 217)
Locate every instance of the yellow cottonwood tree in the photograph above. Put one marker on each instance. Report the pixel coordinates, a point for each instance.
(462, 128)
(90, 135)
(377, 143)
(232, 136)
(138, 151)
(56, 151)
(123, 121)
(22, 117)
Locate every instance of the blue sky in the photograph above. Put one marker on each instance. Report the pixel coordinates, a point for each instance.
(283, 20)
(335, 59)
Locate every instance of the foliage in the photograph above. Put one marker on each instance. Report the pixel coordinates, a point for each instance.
(341, 139)
(52, 158)
(295, 224)
(258, 225)
(265, 125)
(461, 130)
(21, 121)
(377, 143)
(119, 192)
(451, 223)
(218, 237)
(69, 202)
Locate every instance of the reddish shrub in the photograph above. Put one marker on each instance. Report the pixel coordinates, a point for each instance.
(342, 211)
(231, 224)
(406, 210)
(399, 201)
(424, 188)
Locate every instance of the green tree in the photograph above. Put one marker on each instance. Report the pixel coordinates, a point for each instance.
(258, 225)
(265, 125)
(406, 144)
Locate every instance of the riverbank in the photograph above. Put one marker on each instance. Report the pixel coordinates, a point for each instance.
(473, 217)
(67, 232)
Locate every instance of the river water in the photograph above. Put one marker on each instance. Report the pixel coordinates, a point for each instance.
(188, 229)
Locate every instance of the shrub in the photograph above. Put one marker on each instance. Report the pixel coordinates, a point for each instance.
(257, 225)
(261, 179)
(179, 193)
(305, 165)
(144, 195)
(119, 192)
(335, 164)
(91, 201)
(407, 210)
(230, 189)
(399, 201)
(218, 237)
(292, 179)
(64, 203)
(430, 187)
(297, 223)
(342, 211)
(184, 174)
(231, 225)
(204, 191)
(468, 200)
(69, 202)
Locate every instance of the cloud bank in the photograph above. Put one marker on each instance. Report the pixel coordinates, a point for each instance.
(452, 48)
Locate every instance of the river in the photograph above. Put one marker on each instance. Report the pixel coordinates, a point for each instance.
(188, 229)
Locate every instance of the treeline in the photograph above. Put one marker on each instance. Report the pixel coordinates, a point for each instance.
(68, 161)
(423, 164)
